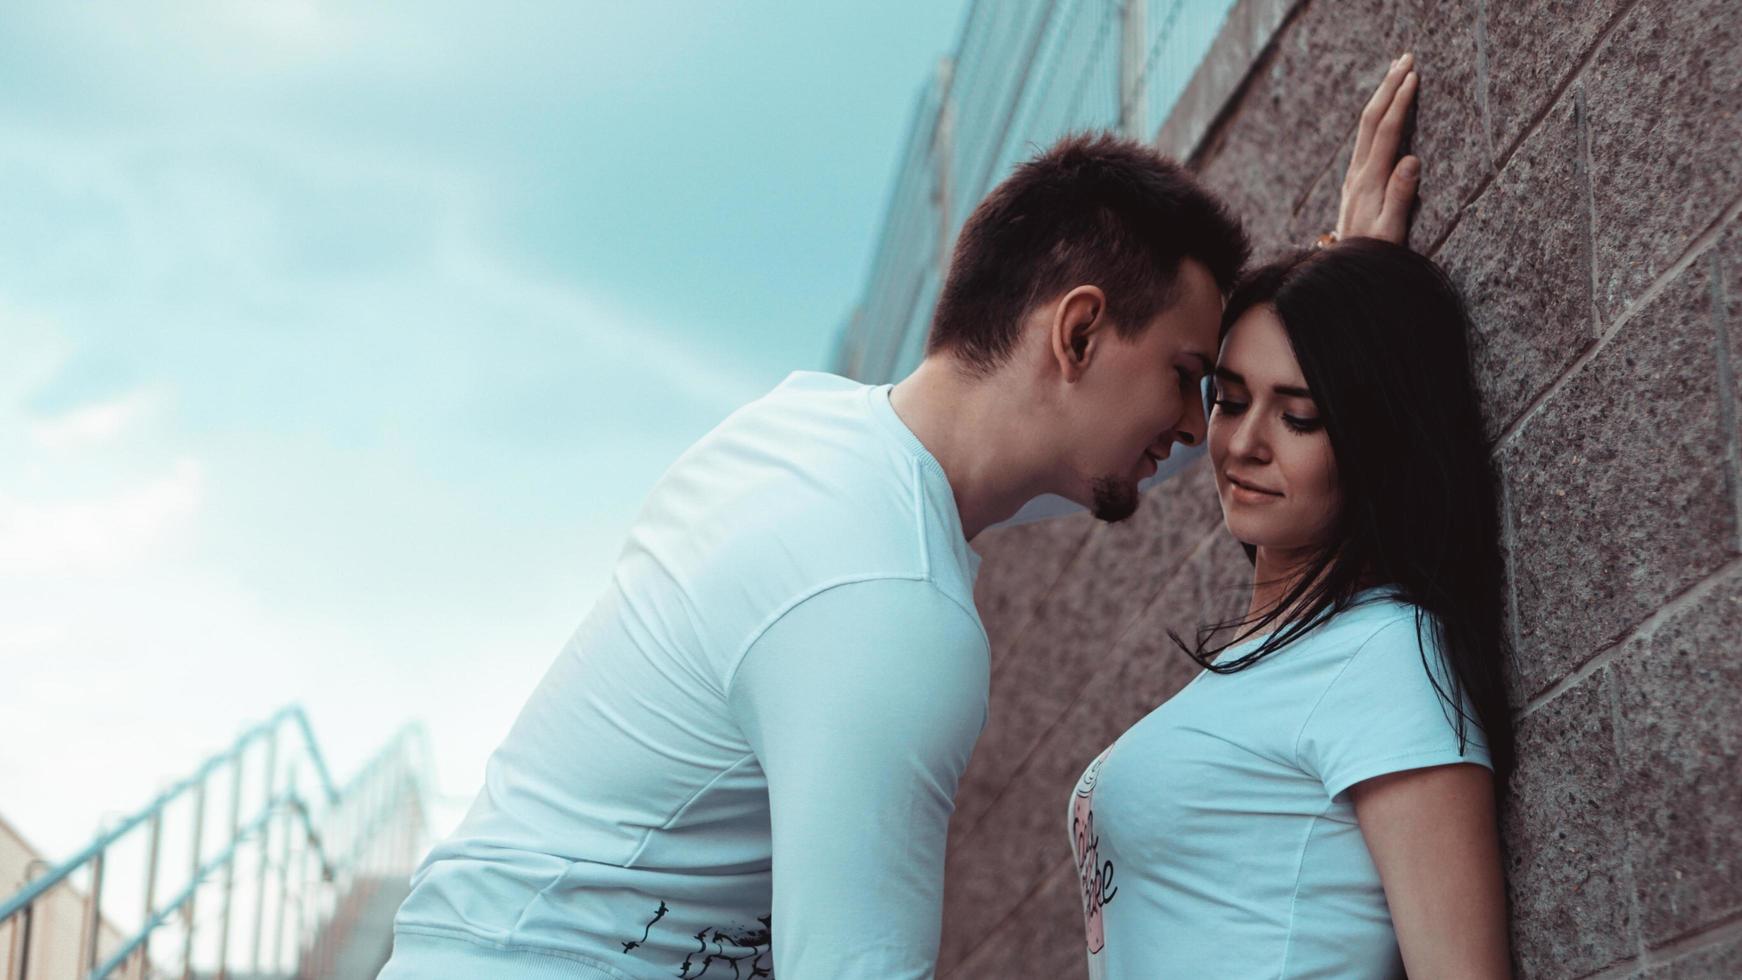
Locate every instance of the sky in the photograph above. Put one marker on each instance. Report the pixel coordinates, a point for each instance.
(340, 342)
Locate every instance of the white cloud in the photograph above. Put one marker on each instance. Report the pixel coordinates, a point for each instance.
(97, 534)
(617, 336)
(95, 424)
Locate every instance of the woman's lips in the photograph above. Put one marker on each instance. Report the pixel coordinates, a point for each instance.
(1246, 493)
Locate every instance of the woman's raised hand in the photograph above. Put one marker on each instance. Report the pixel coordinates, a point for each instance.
(1379, 188)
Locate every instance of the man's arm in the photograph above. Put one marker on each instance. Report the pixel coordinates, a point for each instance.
(1379, 188)
(862, 705)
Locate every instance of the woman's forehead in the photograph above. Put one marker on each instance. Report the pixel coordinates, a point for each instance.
(1257, 348)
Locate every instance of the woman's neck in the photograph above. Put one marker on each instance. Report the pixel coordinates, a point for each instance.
(1275, 573)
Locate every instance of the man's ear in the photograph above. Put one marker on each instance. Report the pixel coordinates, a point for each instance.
(1076, 324)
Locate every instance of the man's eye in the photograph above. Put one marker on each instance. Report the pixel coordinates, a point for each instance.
(1185, 378)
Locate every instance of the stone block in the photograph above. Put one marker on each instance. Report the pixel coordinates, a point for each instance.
(1681, 756)
(1570, 897)
(1601, 536)
(1018, 566)
(1530, 49)
(1041, 937)
(1317, 214)
(1072, 628)
(1297, 109)
(1521, 258)
(1451, 133)
(1663, 91)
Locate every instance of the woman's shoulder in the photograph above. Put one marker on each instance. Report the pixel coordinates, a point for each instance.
(1377, 615)
(1382, 634)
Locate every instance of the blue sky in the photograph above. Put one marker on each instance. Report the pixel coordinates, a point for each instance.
(343, 340)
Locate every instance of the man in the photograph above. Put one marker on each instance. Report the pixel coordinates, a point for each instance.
(746, 757)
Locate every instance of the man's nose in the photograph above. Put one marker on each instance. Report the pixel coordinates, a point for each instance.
(1190, 431)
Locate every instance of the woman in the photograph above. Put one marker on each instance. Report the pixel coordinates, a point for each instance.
(1319, 801)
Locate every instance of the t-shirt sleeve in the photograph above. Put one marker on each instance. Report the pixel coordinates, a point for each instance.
(1381, 714)
(862, 704)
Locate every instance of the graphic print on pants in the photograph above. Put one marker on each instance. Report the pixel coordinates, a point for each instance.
(1095, 875)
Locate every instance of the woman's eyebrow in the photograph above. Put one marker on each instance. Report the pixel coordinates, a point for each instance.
(1232, 377)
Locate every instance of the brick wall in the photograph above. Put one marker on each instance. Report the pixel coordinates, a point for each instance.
(1583, 185)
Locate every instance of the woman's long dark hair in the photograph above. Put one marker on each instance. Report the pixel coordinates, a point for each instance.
(1380, 335)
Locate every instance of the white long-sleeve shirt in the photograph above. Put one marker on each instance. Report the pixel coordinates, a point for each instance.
(746, 757)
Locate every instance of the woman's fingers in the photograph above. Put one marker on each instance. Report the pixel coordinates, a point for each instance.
(1377, 106)
(1393, 224)
(1379, 189)
(1389, 131)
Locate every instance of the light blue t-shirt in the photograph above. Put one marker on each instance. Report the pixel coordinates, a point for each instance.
(1216, 837)
(747, 756)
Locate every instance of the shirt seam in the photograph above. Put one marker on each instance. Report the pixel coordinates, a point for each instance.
(676, 814)
(461, 935)
(782, 610)
(1294, 896)
(918, 504)
(905, 438)
(1450, 753)
(1314, 710)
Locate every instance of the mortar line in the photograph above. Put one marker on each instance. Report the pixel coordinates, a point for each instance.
(1637, 914)
(1726, 390)
(1705, 936)
(1583, 169)
(1704, 240)
(986, 937)
(1482, 81)
(1671, 606)
(1509, 541)
(1589, 55)
(1542, 112)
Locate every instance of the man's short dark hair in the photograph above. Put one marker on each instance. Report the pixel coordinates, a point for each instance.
(1095, 209)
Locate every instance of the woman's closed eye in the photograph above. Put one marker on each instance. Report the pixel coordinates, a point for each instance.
(1296, 423)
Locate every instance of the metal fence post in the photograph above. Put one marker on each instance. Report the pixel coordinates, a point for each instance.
(943, 155)
(190, 909)
(230, 865)
(1133, 51)
(289, 832)
(150, 887)
(265, 846)
(93, 915)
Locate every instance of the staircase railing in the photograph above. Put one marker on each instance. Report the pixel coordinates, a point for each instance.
(310, 851)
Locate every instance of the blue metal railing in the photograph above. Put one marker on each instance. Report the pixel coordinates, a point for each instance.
(375, 824)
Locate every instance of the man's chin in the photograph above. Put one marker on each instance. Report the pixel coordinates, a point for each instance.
(1113, 499)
